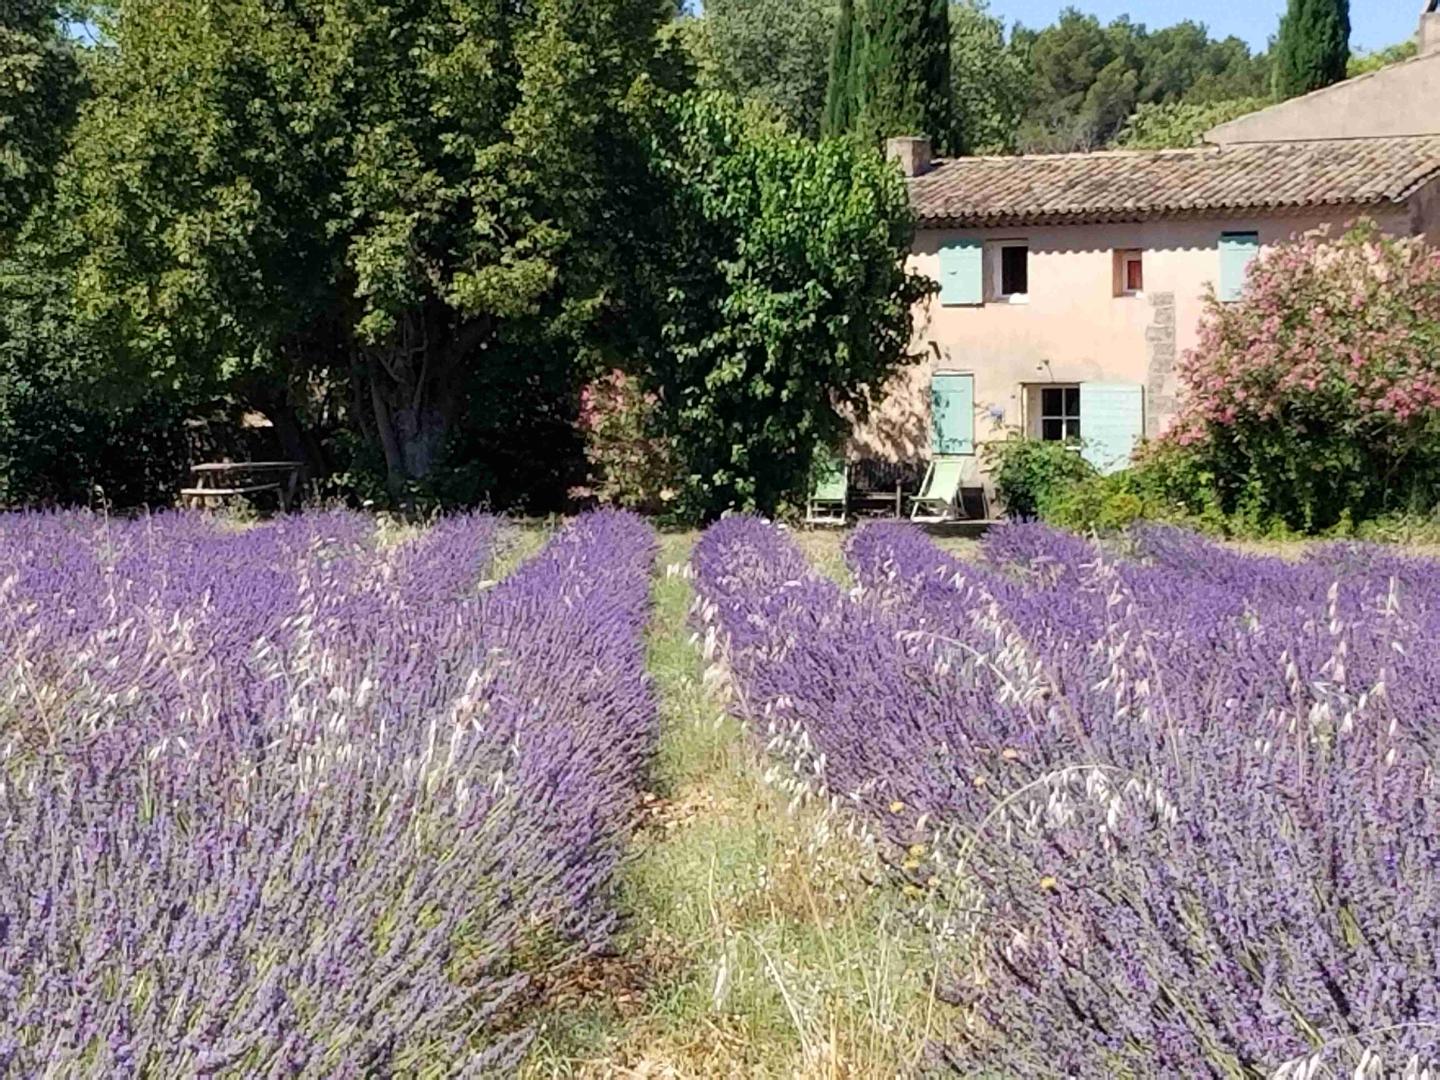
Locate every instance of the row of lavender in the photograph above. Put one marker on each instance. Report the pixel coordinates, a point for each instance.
(288, 801)
(1183, 804)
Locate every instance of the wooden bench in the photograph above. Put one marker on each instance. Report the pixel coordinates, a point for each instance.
(879, 488)
(222, 480)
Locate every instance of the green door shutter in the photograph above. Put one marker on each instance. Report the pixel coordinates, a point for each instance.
(1237, 252)
(1112, 420)
(962, 272)
(952, 413)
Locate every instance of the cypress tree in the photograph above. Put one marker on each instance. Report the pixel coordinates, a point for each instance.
(1313, 47)
(904, 71)
(855, 77)
(896, 55)
(839, 113)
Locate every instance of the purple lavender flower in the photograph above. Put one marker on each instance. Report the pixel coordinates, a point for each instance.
(1187, 801)
(283, 802)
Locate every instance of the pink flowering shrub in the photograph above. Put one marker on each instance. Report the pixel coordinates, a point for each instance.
(1315, 396)
(632, 464)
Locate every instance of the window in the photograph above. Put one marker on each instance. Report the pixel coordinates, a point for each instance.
(1129, 273)
(1058, 415)
(1011, 262)
(1110, 417)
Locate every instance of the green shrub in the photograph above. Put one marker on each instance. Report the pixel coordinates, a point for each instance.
(1095, 504)
(1029, 473)
(1166, 483)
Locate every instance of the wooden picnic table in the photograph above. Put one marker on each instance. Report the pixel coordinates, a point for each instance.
(223, 480)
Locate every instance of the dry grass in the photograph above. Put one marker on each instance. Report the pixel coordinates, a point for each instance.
(516, 543)
(825, 548)
(766, 948)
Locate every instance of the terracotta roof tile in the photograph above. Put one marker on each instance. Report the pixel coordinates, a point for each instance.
(1121, 185)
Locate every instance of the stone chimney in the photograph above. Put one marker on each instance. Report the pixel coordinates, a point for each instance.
(1430, 28)
(911, 152)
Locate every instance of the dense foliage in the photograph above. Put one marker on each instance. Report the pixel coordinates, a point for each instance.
(1180, 124)
(1316, 395)
(1166, 482)
(1362, 63)
(379, 194)
(285, 802)
(989, 81)
(1071, 85)
(1068, 86)
(1177, 813)
(40, 86)
(780, 301)
(1087, 78)
(1312, 49)
(769, 51)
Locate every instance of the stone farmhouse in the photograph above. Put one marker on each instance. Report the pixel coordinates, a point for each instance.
(1070, 284)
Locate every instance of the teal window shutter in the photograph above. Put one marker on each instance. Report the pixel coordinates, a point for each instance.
(1112, 420)
(962, 272)
(952, 413)
(1237, 252)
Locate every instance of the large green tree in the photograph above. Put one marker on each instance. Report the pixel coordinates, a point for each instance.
(1084, 82)
(771, 51)
(897, 73)
(40, 86)
(988, 78)
(904, 70)
(1088, 78)
(1313, 47)
(384, 192)
(774, 304)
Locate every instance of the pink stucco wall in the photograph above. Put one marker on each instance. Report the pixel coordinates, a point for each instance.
(1073, 329)
(1396, 100)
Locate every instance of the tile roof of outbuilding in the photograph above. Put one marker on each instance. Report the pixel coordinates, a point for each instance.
(1130, 185)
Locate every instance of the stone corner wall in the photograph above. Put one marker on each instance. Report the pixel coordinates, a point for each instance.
(1160, 386)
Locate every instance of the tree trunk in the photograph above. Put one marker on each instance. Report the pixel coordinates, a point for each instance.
(414, 390)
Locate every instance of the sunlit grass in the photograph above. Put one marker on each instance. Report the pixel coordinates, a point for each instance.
(760, 941)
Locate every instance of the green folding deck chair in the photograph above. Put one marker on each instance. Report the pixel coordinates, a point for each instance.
(829, 501)
(939, 498)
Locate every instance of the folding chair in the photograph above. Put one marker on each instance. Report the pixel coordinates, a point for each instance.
(939, 499)
(829, 501)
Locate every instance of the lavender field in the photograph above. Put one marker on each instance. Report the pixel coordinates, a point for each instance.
(310, 798)
(288, 801)
(1170, 811)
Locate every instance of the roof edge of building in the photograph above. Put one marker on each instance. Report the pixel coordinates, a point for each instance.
(1135, 217)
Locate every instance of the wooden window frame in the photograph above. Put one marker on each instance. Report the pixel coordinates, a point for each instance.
(1036, 414)
(996, 276)
(1123, 258)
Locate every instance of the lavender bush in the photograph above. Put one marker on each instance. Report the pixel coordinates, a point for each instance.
(280, 802)
(1184, 803)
